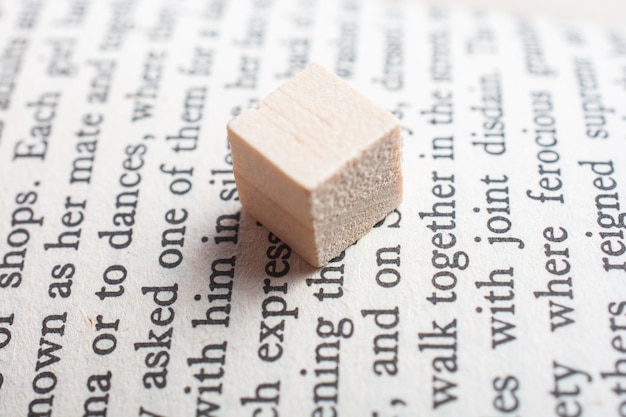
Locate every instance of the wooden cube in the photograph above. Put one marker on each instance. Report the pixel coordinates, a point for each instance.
(317, 163)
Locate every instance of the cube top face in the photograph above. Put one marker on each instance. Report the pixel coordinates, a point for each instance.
(310, 128)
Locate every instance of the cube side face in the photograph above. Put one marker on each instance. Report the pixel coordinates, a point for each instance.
(349, 204)
(331, 239)
(299, 236)
(362, 182)
(265, 177)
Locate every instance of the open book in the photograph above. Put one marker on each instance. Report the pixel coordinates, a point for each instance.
(132, 283)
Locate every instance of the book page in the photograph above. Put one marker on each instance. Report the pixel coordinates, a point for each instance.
(133, 283)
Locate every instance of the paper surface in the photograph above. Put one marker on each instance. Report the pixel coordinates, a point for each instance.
(132, 284)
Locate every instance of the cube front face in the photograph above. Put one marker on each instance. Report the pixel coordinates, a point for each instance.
(317, 163)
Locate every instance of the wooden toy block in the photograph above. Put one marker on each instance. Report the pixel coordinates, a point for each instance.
(317, 163)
